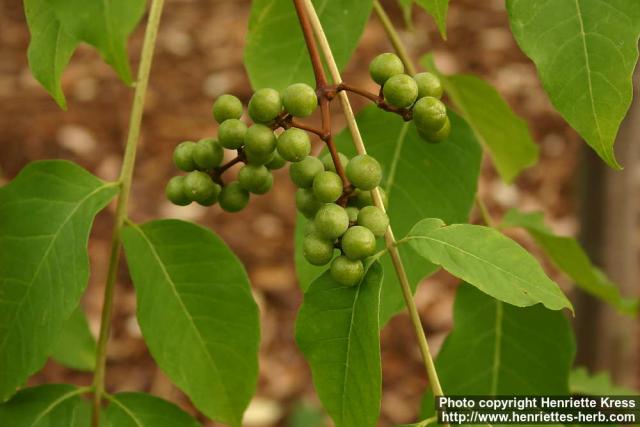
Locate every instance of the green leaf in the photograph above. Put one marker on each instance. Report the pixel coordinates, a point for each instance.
(143, 410)
(76, 347)
(51, 405)
(582, 383)
(46, 214)
(505, 135)
(421, 180)
(488, 260)
(585, 52)
(58, 26)
(337, 330)
(276, 54)
(567, 254)
(50, 47)
(437, 9)
(190, 285)
(499, 349)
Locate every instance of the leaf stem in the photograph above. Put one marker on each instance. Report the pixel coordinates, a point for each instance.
(394, 37)
(126, 176)
(484, 211)
(389, 237)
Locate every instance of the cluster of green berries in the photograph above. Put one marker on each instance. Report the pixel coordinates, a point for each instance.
(257, 146)
(352, 229)
(421, 94)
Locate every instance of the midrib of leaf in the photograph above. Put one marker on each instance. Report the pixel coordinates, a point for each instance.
(51, 244)
(58, 402)
(346, 369)
(587, 63)
(126, 410)
(184, 308)
(497, 348)
(396, 157)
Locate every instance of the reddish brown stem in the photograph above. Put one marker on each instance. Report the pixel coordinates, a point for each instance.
(405, 113)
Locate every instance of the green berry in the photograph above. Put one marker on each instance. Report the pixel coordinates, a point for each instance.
(358, 242)
(254, 178)
(265, 105)
(316, 250)
(276, 162)
(327, 161)
(294, 144)
(327, 186)
(303, 172)
(211, 200)
(300, 100)
(309, 227)
(199, 186)
(429, 114)
(227, 107)
(331, 221)
(438, 136)
(233, 198)
(400, 91)
(365, 198)
(307, 203)
(346, 271)
(428, 85)
(265, 187)
(364, 172)
(175, 191)
(183, 156)
(385, 66)
(260, 141)
(231, 133)
(374, 219)
(352, 213)
(207, 154)
(259, 158)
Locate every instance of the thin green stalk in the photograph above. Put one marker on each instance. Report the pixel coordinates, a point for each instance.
(394, 37)
(126, 176)
(484, 211)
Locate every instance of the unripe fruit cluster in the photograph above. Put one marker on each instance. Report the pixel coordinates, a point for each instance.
(352, 229)
(421, 94)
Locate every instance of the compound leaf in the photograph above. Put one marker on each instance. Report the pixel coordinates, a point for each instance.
(488, 260)
(46, 214)
(585, 52)
(191, 286)
(516, 351)
(276, 54)
(51, 405)
(421, 180)
(438, 10)
(337, 330)
(505, 135)
(567, 254)
(143, 410)
(76, 346)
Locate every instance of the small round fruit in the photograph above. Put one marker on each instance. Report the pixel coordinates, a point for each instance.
(183, 156)
(233, 198)
(317, 250)
(307, 203)
(265, 105)
(364, 172)
(207, 154)
(277, 162)
(231, 133)
(429, 114)
(227, 107)
(309, 228)
(347, 272)
(428, 85)
(175, 191)
(259, 158)
(374, 219)
(352, 212)
(254, 178)
(265, 187)
(358, 242)
(294, 144)
(300, 100)
(365, 198)
(327, 186)
(211, 200)
(400, 91)
(327, 161)
(303, 172)
(438, 136)
(199, 186)
(385, 66)
(331, 221)
(260, 140)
